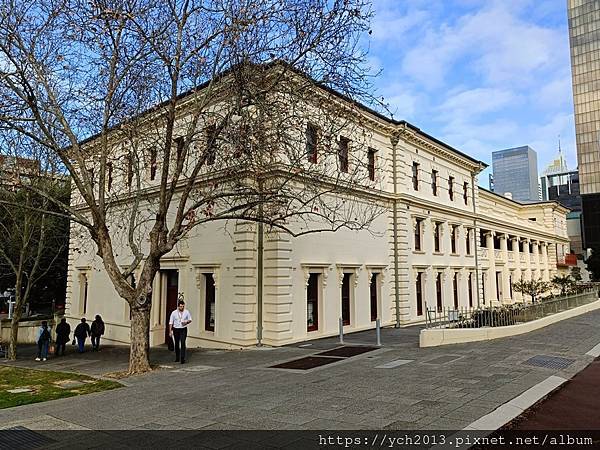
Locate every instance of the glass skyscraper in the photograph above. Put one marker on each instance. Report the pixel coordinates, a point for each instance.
(584, 36)
(515, 171)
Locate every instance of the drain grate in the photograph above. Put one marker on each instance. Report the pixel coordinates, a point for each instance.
(442, 359)
(310, 362)
(23, 438)
(394, 364)
(549, 362)
(347, 351)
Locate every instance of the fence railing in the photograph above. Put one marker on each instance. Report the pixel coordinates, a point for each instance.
(504, 315)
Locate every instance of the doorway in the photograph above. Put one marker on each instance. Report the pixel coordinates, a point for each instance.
(209, 313)
(312, 303)
(346, 299)
(171, 278)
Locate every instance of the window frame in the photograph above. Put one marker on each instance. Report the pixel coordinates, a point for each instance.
(344, 154)
(434, 182)
(312, 142)
(415, 175)
(371, 161)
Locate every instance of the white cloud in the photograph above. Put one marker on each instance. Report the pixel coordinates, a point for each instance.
(477, 101)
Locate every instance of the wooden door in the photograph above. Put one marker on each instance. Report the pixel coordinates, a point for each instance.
(312, 303)
(346, 299)
(172, 279)
(209, 305)
(373, 292)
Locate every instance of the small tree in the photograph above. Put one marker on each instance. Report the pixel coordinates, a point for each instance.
(576, 273)
(533, 288)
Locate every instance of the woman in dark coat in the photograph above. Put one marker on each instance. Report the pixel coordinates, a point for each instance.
(63, 330)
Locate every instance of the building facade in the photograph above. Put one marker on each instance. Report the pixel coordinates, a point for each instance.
(440, 242)
(584, 37)
(515, 172)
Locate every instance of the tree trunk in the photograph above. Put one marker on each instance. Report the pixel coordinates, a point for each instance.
(139, 353)
(16, 316)
(14, 334)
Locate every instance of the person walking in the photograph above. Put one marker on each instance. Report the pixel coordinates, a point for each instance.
(97, 330)
(63, 330)
(82, 331)
(178, 322)
(43, 341)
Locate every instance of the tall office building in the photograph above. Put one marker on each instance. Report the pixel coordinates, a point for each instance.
(584, 36)
(515, 172)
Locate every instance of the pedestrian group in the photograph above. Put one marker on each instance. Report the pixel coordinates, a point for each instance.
(63, 332)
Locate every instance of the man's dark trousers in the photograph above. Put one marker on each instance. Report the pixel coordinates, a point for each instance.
(180, 334)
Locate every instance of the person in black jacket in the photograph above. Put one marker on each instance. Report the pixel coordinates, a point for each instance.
(97, 331)
(63, 330)
(82, 331)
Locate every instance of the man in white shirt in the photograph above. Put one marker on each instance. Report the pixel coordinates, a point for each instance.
(180, 319)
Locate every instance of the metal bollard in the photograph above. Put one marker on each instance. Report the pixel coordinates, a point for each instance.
(378, 331)
(341, 331)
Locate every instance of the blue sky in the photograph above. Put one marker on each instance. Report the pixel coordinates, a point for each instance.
(481, 75)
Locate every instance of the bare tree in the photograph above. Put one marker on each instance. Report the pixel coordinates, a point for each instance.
(35, 235)
(196, 111)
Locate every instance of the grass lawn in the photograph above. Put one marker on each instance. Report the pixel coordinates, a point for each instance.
(45, 385)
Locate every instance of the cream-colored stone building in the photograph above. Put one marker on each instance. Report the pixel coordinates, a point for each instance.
(441, 242)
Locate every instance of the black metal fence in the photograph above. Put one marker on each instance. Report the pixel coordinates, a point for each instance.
(504, 315)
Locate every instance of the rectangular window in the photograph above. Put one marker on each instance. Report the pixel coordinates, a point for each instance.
(129, 170)
(373, 292)
(451, 188)
(346, 299)
(468, 241)
(343, 147)
(470, 286)
(153, 163)
(371, 163)
(179, 142)
(109, 175)
(455, 289)
(209, 303)
(438, 291)
(434, 178)
(497, 242)
(454, 239)
(483, 238)
(483, 286)
(419, 291)
(418, 231)
(499, 286)
(211, 145)
(312, 133)
(436, 237)
(510, 287)
(83, 292)
(312, 302)
(466, 192)
(415, 176)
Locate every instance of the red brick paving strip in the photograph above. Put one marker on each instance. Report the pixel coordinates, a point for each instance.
(575, 406)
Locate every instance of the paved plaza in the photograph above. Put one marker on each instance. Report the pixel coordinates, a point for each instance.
(398, 386)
